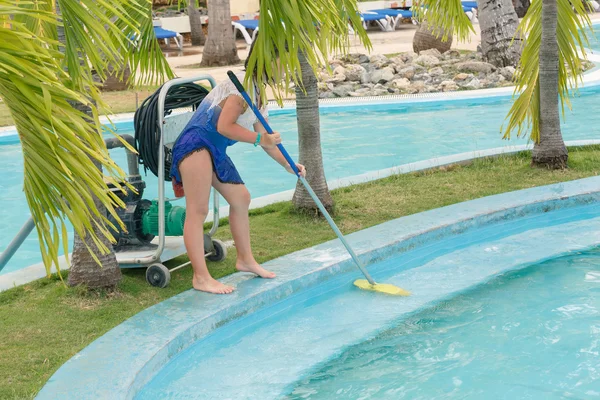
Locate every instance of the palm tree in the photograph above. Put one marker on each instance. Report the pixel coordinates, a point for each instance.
(309, 141)
(521, 7)
(40, 79)
(296, 39)
(198, 38)
(500, 44)
(220, 48)
(426, 37)
(549, 66)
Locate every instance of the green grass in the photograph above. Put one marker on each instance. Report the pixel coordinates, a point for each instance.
(45, 323)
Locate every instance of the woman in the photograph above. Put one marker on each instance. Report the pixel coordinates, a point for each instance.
(200, 161)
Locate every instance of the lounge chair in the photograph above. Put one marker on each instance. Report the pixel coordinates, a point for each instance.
(383, 21)
(244, 25)
(167, 35)
(395, 15)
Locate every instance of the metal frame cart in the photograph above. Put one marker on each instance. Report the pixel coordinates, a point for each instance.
(163, 247)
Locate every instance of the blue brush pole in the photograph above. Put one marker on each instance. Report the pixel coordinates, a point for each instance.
(312, 194)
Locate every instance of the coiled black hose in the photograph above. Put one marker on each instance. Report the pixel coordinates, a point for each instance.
(145, 120)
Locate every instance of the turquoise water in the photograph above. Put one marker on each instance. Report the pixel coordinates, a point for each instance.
(531, 334)
(355, 140)
(593, 37)
(527, 334)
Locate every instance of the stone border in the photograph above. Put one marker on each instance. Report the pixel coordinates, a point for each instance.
(37, 271)
(120, 363)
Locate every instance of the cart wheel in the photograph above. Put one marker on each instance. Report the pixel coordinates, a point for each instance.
(220, 251)
(158, 275)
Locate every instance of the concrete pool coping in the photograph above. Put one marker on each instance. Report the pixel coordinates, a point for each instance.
(120, 363)
(37, 271)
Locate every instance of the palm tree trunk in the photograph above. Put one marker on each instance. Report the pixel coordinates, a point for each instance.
(84, 269)
(427, 37)
(309, 139)
(550, 152)
(220, 46)
(521, 7)
(198, 38)
(499, 21)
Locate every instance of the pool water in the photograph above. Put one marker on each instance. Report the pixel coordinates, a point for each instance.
(593, 38)
(354, 141)
(530, 334)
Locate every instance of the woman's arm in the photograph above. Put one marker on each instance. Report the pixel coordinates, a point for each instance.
(274, 152)
(227, 125)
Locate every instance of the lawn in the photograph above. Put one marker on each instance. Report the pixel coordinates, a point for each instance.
(44, 323)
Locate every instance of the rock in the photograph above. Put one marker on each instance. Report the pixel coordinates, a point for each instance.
(355, 58)
(322, 86)
(380, 92)
(474, 84)
(437, 71)
(354, 72)
(336, 78)
(432, 52)
(447, 86)
(427, 60)
(419, 69)
(379, 61)
(462, 77)
(407, 57)
(416, 87)
(382, 75)
(365, 77)
(451, 55)
(476, 66)
(407, 72)
(495, 77)
(323, 76)
(343, 90)
(339, 70)
(401, 84)
(422, 77)
(398, 61)
(326, 95)
(508, 73)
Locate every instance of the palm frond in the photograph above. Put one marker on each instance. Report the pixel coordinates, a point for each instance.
(61, 144)
(525, 110)
(316, 28)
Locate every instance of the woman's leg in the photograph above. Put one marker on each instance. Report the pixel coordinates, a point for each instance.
(238, 198)
(196, 174)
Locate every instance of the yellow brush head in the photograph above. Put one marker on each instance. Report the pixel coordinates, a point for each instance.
(381, 287)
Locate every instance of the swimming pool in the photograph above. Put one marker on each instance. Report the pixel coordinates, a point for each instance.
(355, 139)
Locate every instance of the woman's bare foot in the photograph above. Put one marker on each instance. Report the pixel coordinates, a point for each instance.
(255, 268)
(211, 286)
